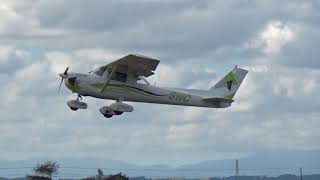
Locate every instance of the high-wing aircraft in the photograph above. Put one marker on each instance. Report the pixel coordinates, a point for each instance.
(124, 80)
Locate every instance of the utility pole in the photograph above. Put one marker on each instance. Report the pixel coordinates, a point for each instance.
(300, 173)
(237, 169)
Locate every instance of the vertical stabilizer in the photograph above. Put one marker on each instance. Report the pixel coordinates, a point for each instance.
(227, 87)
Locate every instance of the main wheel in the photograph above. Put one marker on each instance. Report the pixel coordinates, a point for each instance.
(73, 109)
(107, 115)
(118, 112)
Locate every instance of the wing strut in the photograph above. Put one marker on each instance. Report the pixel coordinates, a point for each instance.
(109, 78)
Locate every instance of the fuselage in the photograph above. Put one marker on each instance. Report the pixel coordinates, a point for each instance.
(92, 85)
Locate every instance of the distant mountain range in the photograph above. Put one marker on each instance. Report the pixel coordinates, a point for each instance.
(269, 164)
(22, 178)
(281, 177)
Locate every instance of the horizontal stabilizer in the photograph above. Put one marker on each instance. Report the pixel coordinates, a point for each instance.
(218, 100)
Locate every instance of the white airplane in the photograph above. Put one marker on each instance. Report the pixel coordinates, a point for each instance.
(124, 80)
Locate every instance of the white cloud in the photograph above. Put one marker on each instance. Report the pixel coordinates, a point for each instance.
(58, 61)
(32, 72)
(10, 53)
(297, 83)
(5, 53)
(166, 75)
(13, 23)
(273, 38)
(186, 135)
(149, 137)
(98, 54)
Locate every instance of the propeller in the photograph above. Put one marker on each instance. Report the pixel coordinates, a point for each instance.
(63, 76)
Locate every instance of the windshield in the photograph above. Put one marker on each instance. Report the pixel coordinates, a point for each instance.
(143, 80)
(98, 71)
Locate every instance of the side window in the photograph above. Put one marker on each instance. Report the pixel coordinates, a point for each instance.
(141, 82)
(122, 77)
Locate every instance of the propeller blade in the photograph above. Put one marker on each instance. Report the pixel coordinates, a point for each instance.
(60, 85)
(66, 71)
(63, 76)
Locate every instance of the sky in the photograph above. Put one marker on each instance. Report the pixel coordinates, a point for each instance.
(198, 42)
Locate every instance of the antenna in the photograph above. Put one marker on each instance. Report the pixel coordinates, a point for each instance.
(237, 170)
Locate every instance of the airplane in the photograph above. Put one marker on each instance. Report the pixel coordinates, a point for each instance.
(125, 80)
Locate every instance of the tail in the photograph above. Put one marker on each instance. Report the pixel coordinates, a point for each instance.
(227, 87)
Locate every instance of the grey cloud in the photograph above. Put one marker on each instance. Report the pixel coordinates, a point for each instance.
(178, 29)
(103, 15)
(171, 30)
(304, 51)
(12, 59)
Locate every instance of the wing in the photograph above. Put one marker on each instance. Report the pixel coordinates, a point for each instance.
(132, 64)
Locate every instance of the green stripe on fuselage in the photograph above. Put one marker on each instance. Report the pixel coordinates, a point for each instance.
(124, 87)
(74, 87)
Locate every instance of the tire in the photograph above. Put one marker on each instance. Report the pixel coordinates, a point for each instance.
(107, 115)
(118, 112)
(73, 109)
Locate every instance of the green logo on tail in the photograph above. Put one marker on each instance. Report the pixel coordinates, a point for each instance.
(230, 78)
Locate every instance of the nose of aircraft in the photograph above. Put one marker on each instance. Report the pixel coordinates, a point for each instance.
(62, 75)
(72, 80)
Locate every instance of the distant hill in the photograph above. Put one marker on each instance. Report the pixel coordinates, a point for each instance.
(281, 177)
(22, 178)
(263, 164)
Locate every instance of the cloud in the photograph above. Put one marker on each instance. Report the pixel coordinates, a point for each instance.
(15, 24)
(276, 108)
(98, 54)
(273, 38)
(12, 58)
(185, 135)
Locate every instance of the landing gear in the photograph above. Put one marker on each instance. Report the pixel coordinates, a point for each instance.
(116, 108)
(77, 104)
(118, 112)
(73, 108)
(107, 115)
(79, 97)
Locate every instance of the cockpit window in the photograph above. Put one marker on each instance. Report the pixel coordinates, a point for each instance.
(143, 80)
(99, 71)
(118, 76)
